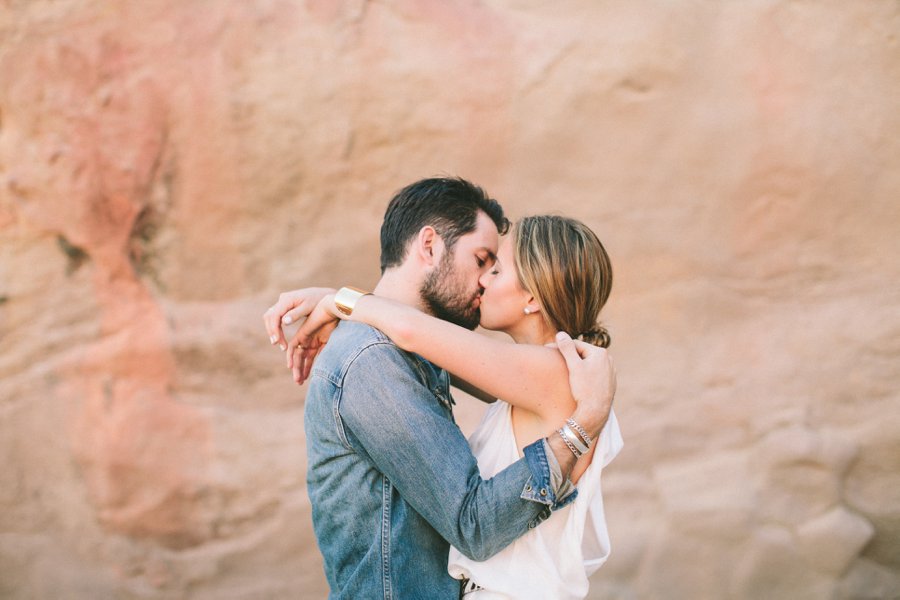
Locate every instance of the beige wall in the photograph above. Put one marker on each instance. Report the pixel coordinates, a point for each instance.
(166, 167)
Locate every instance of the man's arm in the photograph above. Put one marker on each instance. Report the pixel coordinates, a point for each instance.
(396, 420)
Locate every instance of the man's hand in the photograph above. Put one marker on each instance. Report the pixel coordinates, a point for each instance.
(290, 308)
(592, 379)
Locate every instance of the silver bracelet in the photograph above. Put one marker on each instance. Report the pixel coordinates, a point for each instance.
(584, 434)
(573, 437)
(571, 446)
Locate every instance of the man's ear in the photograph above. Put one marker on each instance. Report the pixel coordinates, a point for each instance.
(429, 246)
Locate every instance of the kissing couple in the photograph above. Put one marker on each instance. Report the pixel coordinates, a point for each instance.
(403, 506)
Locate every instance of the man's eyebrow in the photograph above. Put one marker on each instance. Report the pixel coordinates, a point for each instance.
(490, 253)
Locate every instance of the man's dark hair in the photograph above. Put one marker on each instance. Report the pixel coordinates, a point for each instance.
(449, 204)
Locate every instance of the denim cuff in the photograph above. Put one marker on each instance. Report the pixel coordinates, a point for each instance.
(546, 484)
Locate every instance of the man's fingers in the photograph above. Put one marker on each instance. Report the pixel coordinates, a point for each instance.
(301, 364)
(295, 348)
(309, 355)
(295, 356)
(566, 346)
(291, 351)
(584, 349)
(576, 351)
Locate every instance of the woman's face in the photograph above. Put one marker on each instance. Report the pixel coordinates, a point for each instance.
(504, 300)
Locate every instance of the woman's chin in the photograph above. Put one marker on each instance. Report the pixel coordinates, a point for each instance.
(487, 324)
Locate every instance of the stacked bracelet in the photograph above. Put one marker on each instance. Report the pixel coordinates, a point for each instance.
(579, 443)
(584, 434)
(578, 453)
(576, 441)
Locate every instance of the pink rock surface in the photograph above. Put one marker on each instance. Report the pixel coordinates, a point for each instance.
(167, 167)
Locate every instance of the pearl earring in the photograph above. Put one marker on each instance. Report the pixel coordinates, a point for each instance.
(527, 311)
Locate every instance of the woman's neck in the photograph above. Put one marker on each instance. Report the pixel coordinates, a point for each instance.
(532, 331)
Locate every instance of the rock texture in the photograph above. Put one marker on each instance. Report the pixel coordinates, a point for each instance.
(166, 167)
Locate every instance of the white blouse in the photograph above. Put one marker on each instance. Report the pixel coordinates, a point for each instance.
(555, 559)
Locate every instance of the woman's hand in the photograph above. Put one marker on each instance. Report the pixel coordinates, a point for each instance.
(290, 308)
(592, 379)
(311, 338)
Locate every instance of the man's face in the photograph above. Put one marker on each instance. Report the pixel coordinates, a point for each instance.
(451, 291)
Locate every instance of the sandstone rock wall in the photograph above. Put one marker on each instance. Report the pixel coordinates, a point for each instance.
(166, 167)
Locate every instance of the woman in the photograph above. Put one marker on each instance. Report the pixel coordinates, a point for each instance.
(552, 274)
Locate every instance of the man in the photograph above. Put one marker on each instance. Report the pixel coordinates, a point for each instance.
(391, 478)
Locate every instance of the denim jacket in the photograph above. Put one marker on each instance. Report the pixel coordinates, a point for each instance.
(392, 480)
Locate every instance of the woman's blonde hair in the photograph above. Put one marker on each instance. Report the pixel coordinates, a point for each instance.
(562, 263)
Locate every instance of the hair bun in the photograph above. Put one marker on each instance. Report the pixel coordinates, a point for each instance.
(596, 335)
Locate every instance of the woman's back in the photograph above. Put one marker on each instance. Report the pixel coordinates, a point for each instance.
(554, 559)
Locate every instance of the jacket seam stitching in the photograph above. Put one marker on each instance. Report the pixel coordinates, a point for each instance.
(386, 537)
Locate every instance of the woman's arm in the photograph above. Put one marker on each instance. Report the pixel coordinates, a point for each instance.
(528, 376)
(475, 392)
(291, 307)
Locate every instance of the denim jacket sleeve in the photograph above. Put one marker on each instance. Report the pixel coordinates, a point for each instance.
(388, 412)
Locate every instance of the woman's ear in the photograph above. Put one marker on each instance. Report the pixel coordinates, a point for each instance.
(532, 306)
(429, 246)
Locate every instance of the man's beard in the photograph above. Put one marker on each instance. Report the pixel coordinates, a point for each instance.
(448, 300)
